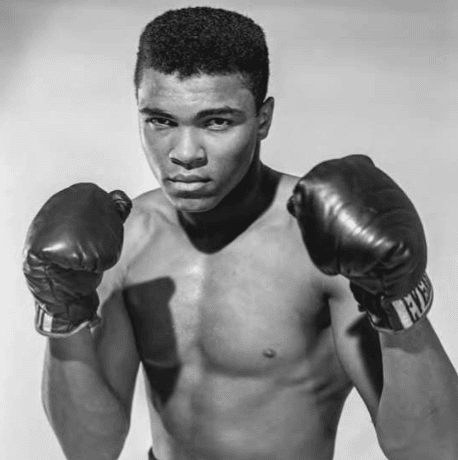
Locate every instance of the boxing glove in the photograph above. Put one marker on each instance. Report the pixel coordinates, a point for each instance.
(74, 238)
(357, 222)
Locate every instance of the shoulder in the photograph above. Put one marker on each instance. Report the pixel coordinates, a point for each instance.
(151, 213)
(282, 228)
(331, 286)
(284, 186)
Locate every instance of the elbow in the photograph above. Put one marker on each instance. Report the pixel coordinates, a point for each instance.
(419, 440)
(94, 440)
(446, 449)
(94, 429)
(93, 446)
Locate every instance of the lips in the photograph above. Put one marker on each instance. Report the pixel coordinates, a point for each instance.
(189, 178)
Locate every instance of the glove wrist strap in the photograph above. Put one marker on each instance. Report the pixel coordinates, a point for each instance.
(397, 315)
(57, 327)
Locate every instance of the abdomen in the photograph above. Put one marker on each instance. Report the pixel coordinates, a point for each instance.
(290, 413)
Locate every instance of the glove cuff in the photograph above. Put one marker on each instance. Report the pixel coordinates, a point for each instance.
(396, 315)
(55, 326)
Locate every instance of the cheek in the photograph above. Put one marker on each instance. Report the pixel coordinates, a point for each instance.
(236, 152)
(148, 144)
(153, 150)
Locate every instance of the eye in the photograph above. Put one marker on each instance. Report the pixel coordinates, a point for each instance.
(159, 122)
(219, 123)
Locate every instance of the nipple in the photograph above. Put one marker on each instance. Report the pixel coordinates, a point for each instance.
(269, 353)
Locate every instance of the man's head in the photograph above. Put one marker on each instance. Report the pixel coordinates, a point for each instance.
(202, 40)
(201, 82)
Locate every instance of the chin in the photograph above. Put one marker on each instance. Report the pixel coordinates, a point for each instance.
(193, 205)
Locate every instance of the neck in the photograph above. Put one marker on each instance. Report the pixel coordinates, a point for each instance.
(212, 230)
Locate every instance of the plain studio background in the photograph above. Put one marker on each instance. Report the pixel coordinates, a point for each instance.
(348, 76)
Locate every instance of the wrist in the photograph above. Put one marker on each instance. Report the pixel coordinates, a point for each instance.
(399, 314)
(77, 347)
(61, 326)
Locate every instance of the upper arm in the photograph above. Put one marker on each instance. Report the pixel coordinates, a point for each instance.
(116, 349)
(357, 343)
(114, 338)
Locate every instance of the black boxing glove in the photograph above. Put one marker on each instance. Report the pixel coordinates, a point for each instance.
(74, 238)
(357, 222)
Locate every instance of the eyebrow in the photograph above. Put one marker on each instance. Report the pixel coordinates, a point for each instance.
(202, 114)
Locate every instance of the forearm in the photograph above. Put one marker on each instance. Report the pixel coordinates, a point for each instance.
(86, 416)
(418, 409)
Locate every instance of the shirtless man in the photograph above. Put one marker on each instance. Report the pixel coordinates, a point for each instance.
(223, 292)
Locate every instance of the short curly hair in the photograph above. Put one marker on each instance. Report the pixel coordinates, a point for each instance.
(212, 41)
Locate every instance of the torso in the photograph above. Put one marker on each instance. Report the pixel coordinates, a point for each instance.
(236, 344)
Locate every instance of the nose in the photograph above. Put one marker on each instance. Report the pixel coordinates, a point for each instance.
(187, 150)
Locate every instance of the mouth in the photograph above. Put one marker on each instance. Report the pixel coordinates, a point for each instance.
(189, 179)
(189, 185)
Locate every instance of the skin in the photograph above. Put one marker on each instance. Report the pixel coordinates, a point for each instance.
(241, 336)
(248, 350)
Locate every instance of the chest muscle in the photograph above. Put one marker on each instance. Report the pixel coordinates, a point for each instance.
(236, 309)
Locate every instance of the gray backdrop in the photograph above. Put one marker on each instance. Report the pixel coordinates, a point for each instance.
(378, 77)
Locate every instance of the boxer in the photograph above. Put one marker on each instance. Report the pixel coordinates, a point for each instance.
(252, 300)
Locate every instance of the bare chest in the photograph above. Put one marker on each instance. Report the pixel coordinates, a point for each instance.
(242, 310)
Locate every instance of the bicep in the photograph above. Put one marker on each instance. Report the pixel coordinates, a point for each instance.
(357, 343)
(115, 345)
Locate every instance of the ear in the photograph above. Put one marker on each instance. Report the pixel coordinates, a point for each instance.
(265, 116)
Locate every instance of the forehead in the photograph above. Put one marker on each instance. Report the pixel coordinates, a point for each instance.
(198, 92)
